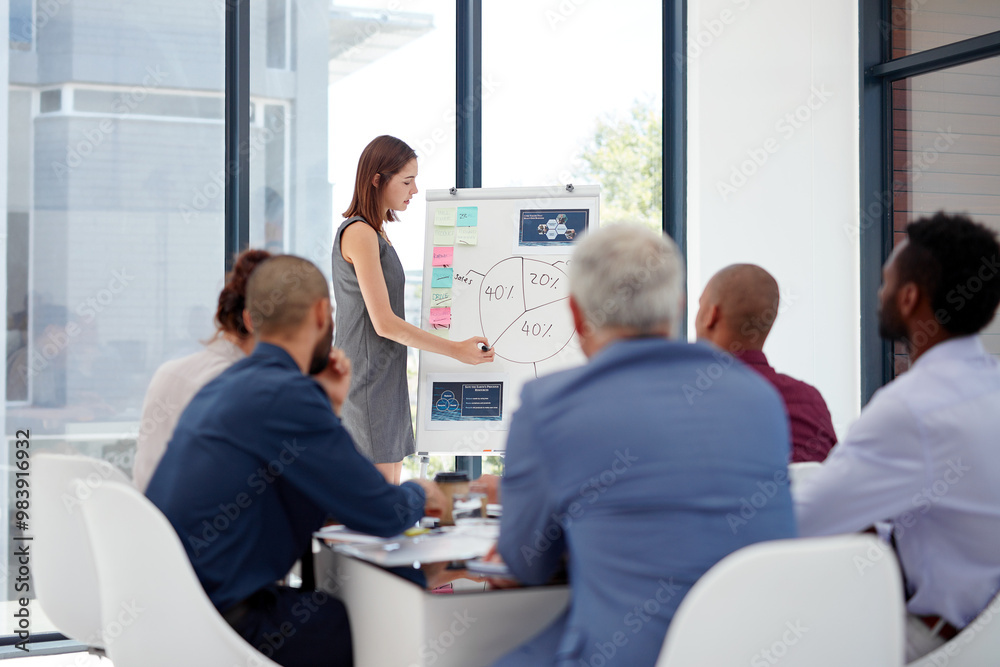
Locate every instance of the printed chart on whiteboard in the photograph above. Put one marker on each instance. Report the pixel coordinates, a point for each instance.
(496, 266)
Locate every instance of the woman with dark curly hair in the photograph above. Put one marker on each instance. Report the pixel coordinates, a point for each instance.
(176, 382)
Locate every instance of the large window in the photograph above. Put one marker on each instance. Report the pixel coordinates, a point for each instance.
(930, 140)
(946, 153)
(114, 219)
(573, 93)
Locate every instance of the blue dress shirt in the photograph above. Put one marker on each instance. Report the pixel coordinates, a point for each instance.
(925, 456)
(257, 462)
(644, 467)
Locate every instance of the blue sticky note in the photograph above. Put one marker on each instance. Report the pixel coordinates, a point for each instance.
(468, 216)
(441, 277)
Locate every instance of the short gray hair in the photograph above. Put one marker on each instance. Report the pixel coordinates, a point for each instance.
(624, 275)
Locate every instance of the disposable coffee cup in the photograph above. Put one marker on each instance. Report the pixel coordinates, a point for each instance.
(468, 506)
(451, 484)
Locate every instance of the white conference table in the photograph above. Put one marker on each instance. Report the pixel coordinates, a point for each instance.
(395, 622)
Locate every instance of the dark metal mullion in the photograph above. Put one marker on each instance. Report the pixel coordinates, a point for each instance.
(675, 128)
(468, 94)
(469, 127)
(237, 216)
(875, 217)
(942, 57)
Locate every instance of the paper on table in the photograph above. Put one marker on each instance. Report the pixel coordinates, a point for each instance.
(443, 256)
(446, 235)
(468, 216)
(432, 548)
(440, 317)
(445, 217)
(467, 236)
(342, 533)
(441, 277)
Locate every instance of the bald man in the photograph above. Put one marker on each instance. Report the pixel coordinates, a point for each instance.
(735, 312)
(259, 460)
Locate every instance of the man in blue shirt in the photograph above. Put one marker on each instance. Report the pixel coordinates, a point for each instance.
(923, 455)
(642, 468)
(259, 460)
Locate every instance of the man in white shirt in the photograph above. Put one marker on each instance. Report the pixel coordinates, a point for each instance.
(925, 453)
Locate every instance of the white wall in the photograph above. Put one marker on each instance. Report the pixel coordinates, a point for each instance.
(753, 65)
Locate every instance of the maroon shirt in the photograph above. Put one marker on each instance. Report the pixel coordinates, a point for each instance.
(812, 428)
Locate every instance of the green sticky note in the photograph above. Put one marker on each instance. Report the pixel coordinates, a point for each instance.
(441, 278)
(445, 217)
(467, 236)
(468, 216)
(445, 235)
(440, 298)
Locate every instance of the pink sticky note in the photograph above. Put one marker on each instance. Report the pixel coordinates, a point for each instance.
(443, 256)
(440, 317)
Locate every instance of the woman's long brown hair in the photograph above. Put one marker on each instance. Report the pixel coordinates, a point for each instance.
(386, 156)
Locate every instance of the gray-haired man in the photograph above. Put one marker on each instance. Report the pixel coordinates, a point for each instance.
(616, 465)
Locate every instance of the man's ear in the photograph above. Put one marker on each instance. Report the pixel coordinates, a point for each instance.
(713, 317)
(321, 313)
(907, 299)
(579, 321)
(247, 320)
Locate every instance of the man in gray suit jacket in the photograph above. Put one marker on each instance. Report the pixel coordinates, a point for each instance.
(640, 469)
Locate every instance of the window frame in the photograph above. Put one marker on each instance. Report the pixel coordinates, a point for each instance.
(878, 72)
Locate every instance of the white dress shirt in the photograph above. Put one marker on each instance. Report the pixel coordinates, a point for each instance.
(925, 456)
(173, 386)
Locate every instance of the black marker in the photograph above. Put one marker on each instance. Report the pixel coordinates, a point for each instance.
(484, 347)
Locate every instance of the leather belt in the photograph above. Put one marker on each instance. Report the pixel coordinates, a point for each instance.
(940, 627)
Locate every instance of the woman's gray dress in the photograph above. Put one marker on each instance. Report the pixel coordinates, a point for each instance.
(377, 410)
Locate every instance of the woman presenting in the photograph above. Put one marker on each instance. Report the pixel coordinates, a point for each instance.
(369, 319)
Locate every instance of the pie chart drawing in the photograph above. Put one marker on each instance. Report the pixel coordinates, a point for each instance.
(524, 310)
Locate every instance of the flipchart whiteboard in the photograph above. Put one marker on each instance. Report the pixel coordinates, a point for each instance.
(511, 287)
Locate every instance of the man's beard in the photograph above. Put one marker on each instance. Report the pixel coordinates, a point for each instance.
(890, 322)
(321, 353)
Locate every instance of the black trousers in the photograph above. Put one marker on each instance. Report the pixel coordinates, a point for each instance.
(295, 628)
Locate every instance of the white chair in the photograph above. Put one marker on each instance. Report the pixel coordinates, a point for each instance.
(155, 610)
(977, 645)
(817, 602)
(802, 470)
(63, 568)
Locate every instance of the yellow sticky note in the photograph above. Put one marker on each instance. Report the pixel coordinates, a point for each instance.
(445, 217)
(467, 235)
(446, 235)
(440, 298)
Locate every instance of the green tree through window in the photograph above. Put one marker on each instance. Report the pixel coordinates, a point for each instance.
(625, 156)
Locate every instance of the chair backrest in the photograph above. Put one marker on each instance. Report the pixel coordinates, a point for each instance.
(977, 645)
(816, 602)
(64, 576)
(802, 470)
(152, 603)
